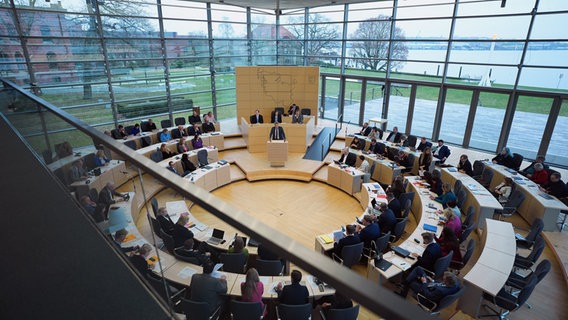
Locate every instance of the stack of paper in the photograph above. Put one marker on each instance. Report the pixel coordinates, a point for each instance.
(400, 263)
(186, 272)
(326, 238)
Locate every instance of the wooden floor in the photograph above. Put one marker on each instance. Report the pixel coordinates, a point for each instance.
(303, 210)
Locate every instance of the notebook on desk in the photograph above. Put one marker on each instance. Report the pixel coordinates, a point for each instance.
(382, 264)
(429, 227)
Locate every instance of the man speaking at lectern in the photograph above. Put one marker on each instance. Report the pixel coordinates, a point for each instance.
(277, 132)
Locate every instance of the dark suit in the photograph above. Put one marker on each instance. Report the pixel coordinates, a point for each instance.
(378, 148)
(193, 132)
(293, 294)
(253, 119)
(167, 224)
(466, 167)
(273, 118)
(139, 264)
(194, 119)
(396, 207)
(443, 152)
(422, 146)
(345, 241)
(208, 127)
(365, 131)
(205, 288)
(281, 135)
(180, 234)
(387, 221)
(172, 169)
(106, 199)
(369, 233)
(432, 291)
(432, 253)
(394, 136)
(199, 257)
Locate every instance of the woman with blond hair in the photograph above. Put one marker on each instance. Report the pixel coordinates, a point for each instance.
(252, 289)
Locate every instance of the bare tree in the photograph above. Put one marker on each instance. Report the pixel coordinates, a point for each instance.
(324, 35)
(372, 45)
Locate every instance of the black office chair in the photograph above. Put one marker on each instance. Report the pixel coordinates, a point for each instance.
(398, 230)
(412, 141)
(166, 123)
(175, 133)
(155, 206)
(457, 186)
(470, 215)
(477, 167)
(517, 161)
(517, 281)
(180, 121)
(409, 163)
(146, 141)
(246, 310)
(128, 129)
(168, 241)
(156, 227)
(350, 255)
(192, 260)
(306, 111)
(279, 109)
(378, 246)
(340, 314)
(440, 266)
(528, 241)
(457, 265)
(508, 302)
(94, 195)
(294, 312)
(269, 267)
(145, 126)
(406, 196)
(156, 156)
(351, 159)
(462, 195)
(392, 153)
(486, 177)
(115, 135)
(202, 158)
(434, 308)
(465, 234)
(405, 210)
(195, 310)
(513, 203)
(233, 262)
(525, 263)
(131, 144)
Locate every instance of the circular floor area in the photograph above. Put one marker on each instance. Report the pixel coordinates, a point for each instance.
(301, 210)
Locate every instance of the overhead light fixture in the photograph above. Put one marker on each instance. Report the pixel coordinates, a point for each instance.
(503, 3)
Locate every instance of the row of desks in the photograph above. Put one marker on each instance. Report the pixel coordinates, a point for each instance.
(115, 171)
(210, 140)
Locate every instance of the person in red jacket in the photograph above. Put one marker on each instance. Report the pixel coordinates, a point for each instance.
(540, 175)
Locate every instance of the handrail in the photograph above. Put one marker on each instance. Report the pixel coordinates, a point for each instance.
(371, 295)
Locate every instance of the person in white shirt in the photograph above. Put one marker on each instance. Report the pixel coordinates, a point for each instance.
(364, 166)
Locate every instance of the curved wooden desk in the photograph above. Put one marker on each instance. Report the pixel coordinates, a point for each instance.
(347, 179)
(385, 170)
(298, 135)
(216, 140)
(114, 172)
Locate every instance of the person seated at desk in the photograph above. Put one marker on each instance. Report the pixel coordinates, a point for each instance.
(421, 283)
(135, 131)
(181, 232)
(357, 144)
(453, 205)
(119, 237)
(295, 293)
(182, 131)
(402, 159)
(397, 187)
(106, 197)
(364, 166)
(139, 261)
(64, 149)
(277, 132)
(446, 195)
(503, 190)
(425, 159)
(335, 301)
(77, 172)
(376, 133)
(171, 167)
(377, 148)
(256, 118)
(151, 125)
(451, 221)
(540, 175)
(211, 117)
(555, 187)
(166, 153)
(297, 117)
(188, 251)
(292, 110)
(366, 130)
(194, 129)
(394, 136)
(187, 165)
(165, 136)
(89, 205)
(206, 288)
(238, 246)
(449, 242)
(434, 179)
(351, 238)
(194, 118)
(100, 158)
(344, 153)
(252, 288)
(370, 230)
(120, 132)
(442, 151)
(423, 144)
(165, 221)
(181, 146)
(528, 171)
(197, 142)
(464, 166)
(394, 204)
(387, 219)
(276, 117)
(207, 126)
(431, 253)
(404, 141)
(505, 158)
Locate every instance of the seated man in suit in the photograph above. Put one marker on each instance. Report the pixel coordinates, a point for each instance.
(394, 136)
(434, 291)
(555, 186)
(151, 125)
(423, 144)
(119, 237)
(442, 151)
(194, 130)
(394, 205)
(181, 233)
(205, 288)
(277, 132)
(106, 197)
(431, 253)
(208, 126)
(172, 168)
(276, 117)
(139, 261)
(366, 130)
(297, 117)
(295, 293)
(351, 238)
(256, 117)
(377, 148)
(182, 131)
(370, 230)
(165, 221)
(344, 153)
(195, 117)
(528, 171)
(188, 251)
(77, 172)
(387, 219)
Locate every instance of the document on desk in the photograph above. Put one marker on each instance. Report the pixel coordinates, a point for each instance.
(400, 263)
(326, 238)
(186, 272)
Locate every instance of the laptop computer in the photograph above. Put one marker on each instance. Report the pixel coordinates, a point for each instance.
(337, 162)
(216, 237)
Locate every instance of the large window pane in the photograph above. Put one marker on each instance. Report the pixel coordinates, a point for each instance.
(425, 107)
(374, 100)
(352, 100)
(331, 100)
(492, 27)
(544, 78)
(531, 113)
(456, 111)
(481, 75)
(487, 52)
(398, 106)
(547, 54)
(488, 120)
(425, 9)
(557, 151)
